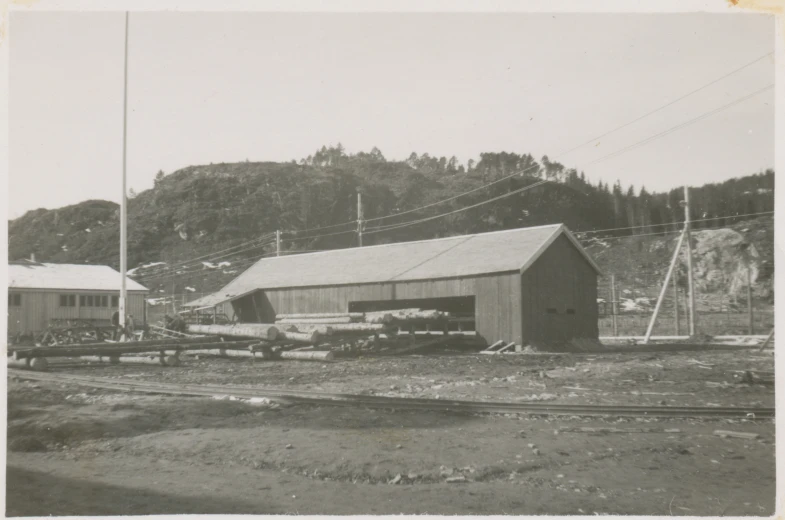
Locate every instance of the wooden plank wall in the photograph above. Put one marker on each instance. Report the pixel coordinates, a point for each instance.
(560, 279)
(38, 307)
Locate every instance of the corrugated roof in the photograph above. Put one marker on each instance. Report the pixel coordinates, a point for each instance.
(31, 275)
(466, 255)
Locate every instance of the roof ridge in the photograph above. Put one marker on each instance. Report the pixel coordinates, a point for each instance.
(456, 237)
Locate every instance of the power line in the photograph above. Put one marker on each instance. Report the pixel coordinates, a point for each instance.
(190, 264)
(647, 114)
(671, 223)
(618, 152)
(681, 125)
(379, 229)
(521, 172)
(184, 262)
(659, 232)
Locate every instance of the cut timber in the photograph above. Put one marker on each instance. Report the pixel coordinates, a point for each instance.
(315, 321)
(357, 327)
(18, 363)
(222, 352)
(354, 315)
(740, 435)
(147, 360)
(301, 337)
(324, 330)
(39, 363)
(496, 345)
(111, 360)
(242, 330)
(308, 356)
(124, 348)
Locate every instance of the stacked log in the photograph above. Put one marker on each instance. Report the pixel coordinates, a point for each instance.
(315, 321)
(241, 330)
(352, 315)
(402, 315)
(301, 337)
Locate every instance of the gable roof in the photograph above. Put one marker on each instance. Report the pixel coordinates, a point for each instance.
(32, 275)
(467, 255)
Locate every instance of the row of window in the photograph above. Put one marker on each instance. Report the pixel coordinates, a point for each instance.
(89, 300)
(69, 300)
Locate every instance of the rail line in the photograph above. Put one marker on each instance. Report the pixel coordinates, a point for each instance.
(337, 399)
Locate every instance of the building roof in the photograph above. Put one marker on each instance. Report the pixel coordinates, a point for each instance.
(467, 255)
(72, 277)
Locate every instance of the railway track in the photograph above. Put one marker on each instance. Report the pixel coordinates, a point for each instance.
(335, 399)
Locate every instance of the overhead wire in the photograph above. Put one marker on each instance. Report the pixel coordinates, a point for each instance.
(378, 229)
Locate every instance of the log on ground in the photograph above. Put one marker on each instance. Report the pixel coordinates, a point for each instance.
(308, 356)
(242, 330)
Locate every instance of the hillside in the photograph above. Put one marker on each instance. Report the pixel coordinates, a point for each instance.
(203, 210)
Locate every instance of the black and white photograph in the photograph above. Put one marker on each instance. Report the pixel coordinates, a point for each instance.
(343, 258)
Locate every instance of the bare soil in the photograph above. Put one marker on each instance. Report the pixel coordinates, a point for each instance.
(81, 451)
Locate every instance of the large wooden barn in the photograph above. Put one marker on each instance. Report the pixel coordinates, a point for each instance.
(39, 293)
(522, 285)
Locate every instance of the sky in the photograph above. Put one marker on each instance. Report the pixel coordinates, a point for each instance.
(224, 87)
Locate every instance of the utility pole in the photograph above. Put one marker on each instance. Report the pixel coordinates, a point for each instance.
(124, 198)
(676, 302)
(613, 305)
(690, 282)
(277, 242)
(359, 219)
(749, 301)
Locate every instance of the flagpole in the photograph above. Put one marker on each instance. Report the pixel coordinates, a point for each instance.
(124, 198)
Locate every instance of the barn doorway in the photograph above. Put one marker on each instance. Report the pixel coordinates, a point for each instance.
(461, 308)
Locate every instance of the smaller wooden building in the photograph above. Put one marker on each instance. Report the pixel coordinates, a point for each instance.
(39, 293)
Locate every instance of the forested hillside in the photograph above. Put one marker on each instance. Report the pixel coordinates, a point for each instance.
(200, 210)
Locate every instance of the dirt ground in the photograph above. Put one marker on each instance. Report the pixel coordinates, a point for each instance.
(80, 451)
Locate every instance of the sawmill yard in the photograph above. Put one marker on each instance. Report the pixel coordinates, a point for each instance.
(74, 449)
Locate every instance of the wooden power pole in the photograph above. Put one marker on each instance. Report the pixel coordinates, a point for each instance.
(613, 306)
(690, 281)
(359, 219)
(277, 242)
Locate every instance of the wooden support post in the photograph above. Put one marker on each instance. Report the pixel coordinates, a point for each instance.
(676, 302)
(614, 307)
(766, 342)
(277, 242)
(751, 328)
(665, 286)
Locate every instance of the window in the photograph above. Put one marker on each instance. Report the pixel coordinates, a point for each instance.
(14, 299)
(82, 300)
(115, 301)
(570, 311)
(104, 301)
(551, 311)
(67, 300)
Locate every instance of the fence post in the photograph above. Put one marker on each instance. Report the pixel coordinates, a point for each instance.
(613, 305)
